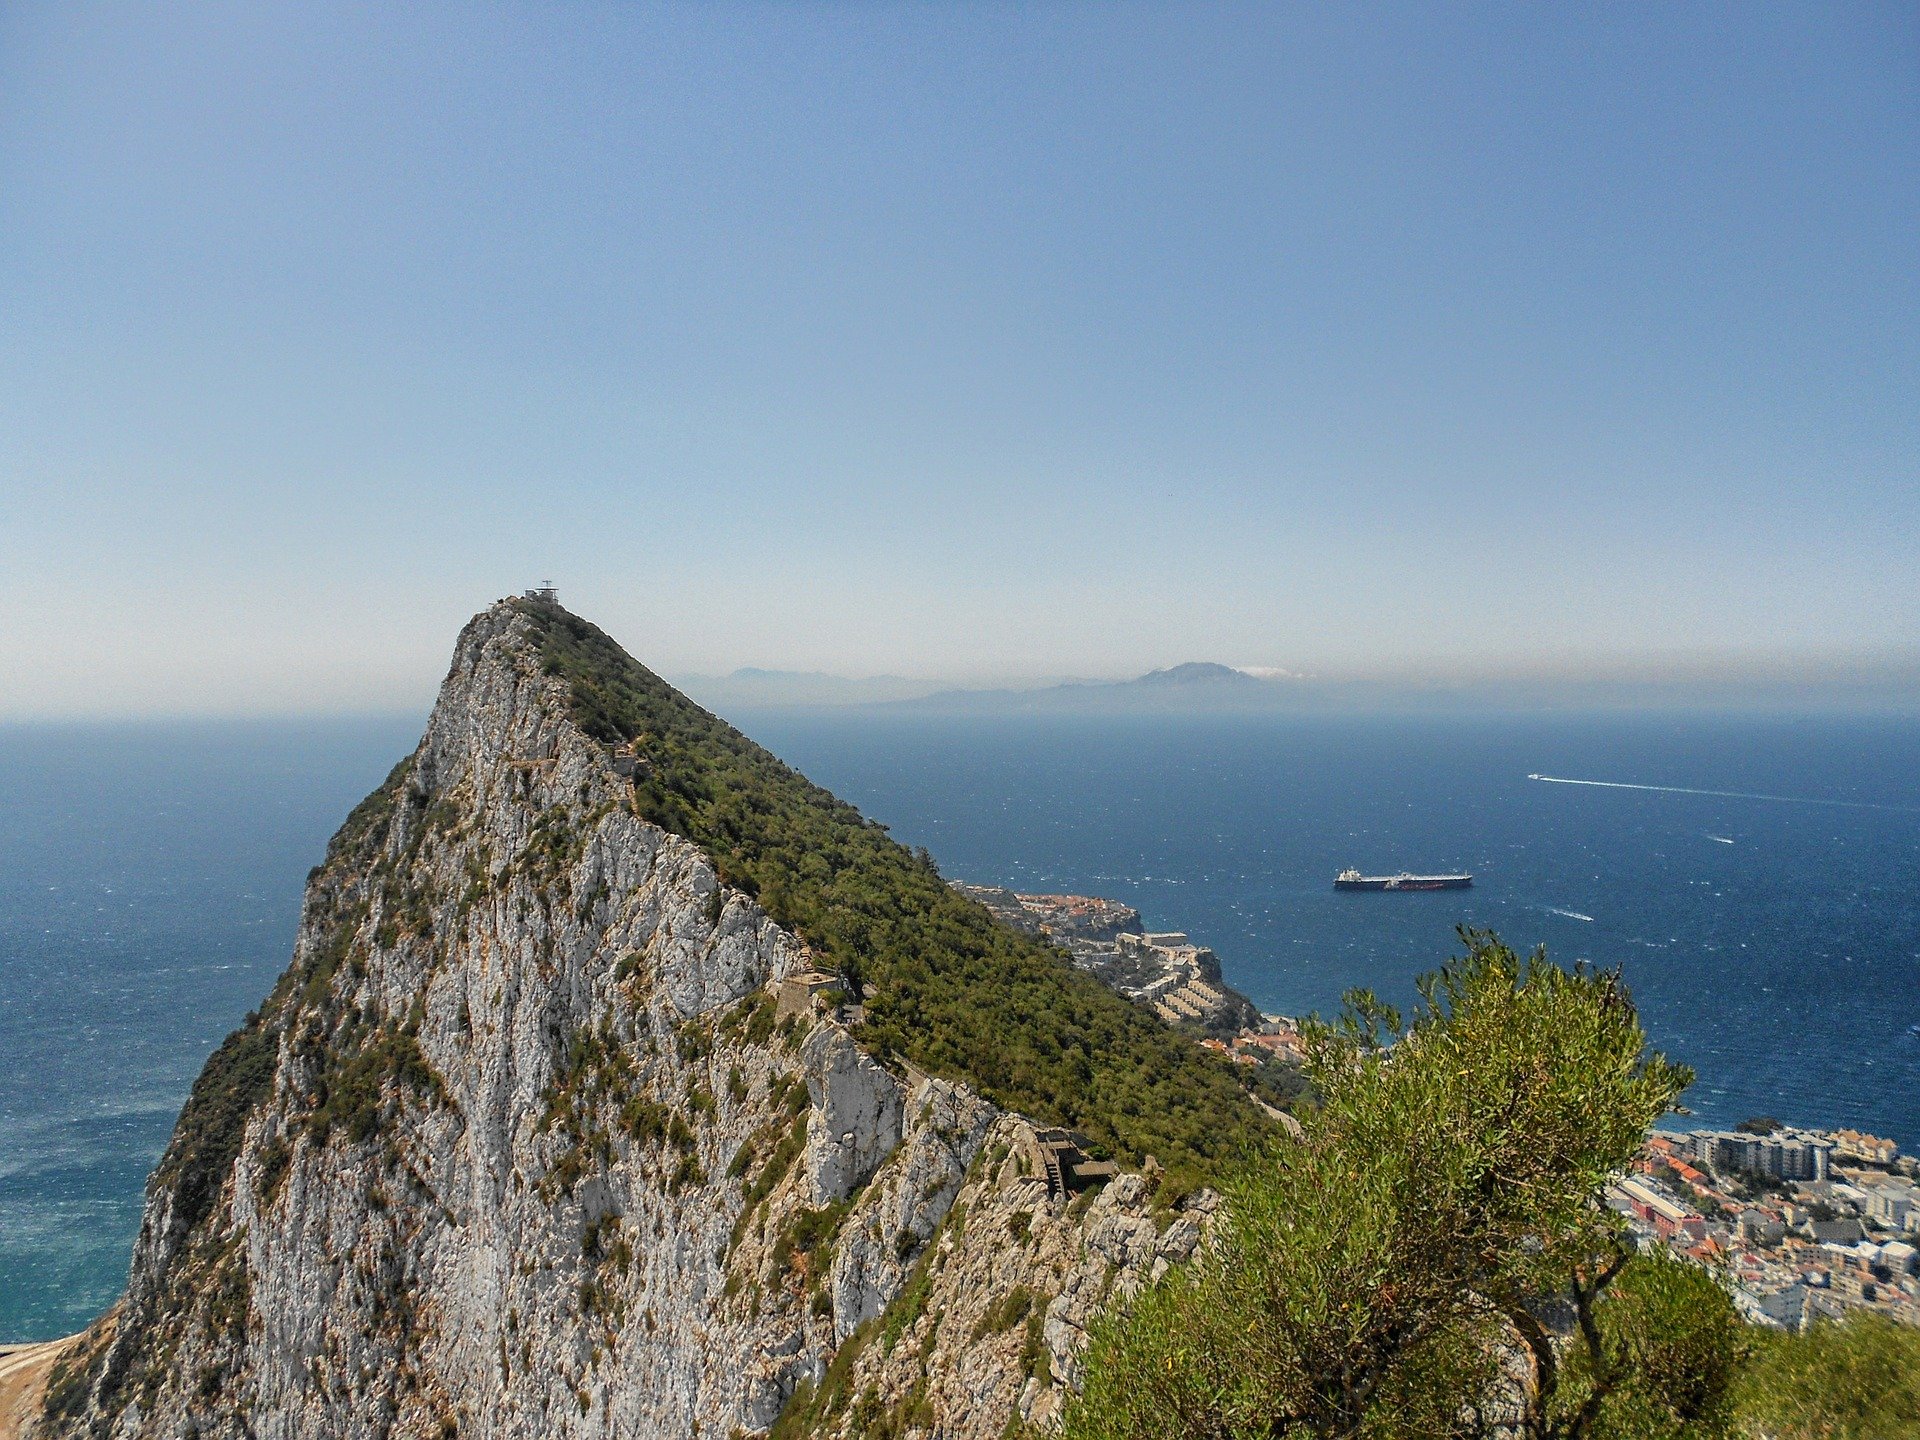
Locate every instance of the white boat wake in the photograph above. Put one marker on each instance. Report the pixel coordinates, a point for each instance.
(1570, 914)
(1727, 795)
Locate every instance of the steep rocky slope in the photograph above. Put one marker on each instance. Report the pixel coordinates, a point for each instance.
(521, 1145)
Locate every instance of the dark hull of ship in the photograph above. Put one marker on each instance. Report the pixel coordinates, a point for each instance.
(1412, 882)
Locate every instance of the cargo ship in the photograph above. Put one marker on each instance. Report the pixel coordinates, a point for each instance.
(1354, 880)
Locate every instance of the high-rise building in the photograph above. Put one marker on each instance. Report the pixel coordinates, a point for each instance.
(1783, 1155)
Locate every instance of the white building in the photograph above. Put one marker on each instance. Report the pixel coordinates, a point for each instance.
(1783, 1155)
(1892, 1204)
(1900, 1257)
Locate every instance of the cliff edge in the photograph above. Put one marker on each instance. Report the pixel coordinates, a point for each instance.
(534, 1138)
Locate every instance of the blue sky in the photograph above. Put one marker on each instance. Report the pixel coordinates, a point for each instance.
(979, 342)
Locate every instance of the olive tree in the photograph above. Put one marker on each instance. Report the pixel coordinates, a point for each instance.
(1431, 1259)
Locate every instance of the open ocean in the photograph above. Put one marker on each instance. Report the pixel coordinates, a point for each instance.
(150, 882)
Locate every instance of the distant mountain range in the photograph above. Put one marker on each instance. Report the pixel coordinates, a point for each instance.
(1196, 684)
(1887, 684)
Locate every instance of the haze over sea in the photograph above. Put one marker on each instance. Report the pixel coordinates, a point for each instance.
(150, 880)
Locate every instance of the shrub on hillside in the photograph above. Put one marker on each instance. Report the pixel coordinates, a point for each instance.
(1370, 1280)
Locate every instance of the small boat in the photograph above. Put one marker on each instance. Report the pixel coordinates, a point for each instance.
(1351, 879)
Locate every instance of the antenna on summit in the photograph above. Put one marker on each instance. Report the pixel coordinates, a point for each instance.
(544, 591)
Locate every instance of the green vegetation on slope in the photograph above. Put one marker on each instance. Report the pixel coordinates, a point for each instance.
(1444, 1205)
(235, 1079)
(1365, 1280)
(1857, 1380)
(953, 991)
(239, 1075)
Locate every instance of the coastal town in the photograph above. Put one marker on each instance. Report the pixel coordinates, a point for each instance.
(1164, 970)
(1801, 1224)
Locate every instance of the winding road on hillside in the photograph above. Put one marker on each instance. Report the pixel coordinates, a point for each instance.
(23, 1379)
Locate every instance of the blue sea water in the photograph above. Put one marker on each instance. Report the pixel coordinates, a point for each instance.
(1771, 943)
(150, 881)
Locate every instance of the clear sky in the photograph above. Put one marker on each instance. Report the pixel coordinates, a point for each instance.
(978, 341)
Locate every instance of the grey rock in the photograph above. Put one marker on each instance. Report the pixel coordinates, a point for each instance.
(549, 1235)
(858, 1105)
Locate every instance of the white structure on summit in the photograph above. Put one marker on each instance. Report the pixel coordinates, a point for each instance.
(544, 592)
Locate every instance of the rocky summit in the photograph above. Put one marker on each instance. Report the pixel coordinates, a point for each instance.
(622, 1083)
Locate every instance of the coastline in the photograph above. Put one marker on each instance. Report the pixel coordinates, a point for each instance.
(23, 1380)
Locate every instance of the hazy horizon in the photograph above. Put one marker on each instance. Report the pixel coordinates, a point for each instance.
(976, 345)
(1887, 683)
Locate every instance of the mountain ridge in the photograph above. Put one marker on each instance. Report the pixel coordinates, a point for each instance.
(1196, 672)
(1190, 684)
(527, 1140)
(1868, 686)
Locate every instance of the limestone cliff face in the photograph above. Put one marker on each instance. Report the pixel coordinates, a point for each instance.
(519, 1147)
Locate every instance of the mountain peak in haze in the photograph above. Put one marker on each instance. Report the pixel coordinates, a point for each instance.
(1194, 684)
(1195, 672)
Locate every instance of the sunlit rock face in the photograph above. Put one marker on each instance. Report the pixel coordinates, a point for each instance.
(519, 1147)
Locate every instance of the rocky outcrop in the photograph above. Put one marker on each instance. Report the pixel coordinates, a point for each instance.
(521, 1147)
(902, 1210)
(989, 1325)
(857, 1106)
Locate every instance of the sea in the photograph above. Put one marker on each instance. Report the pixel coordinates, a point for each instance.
(1756, 879)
